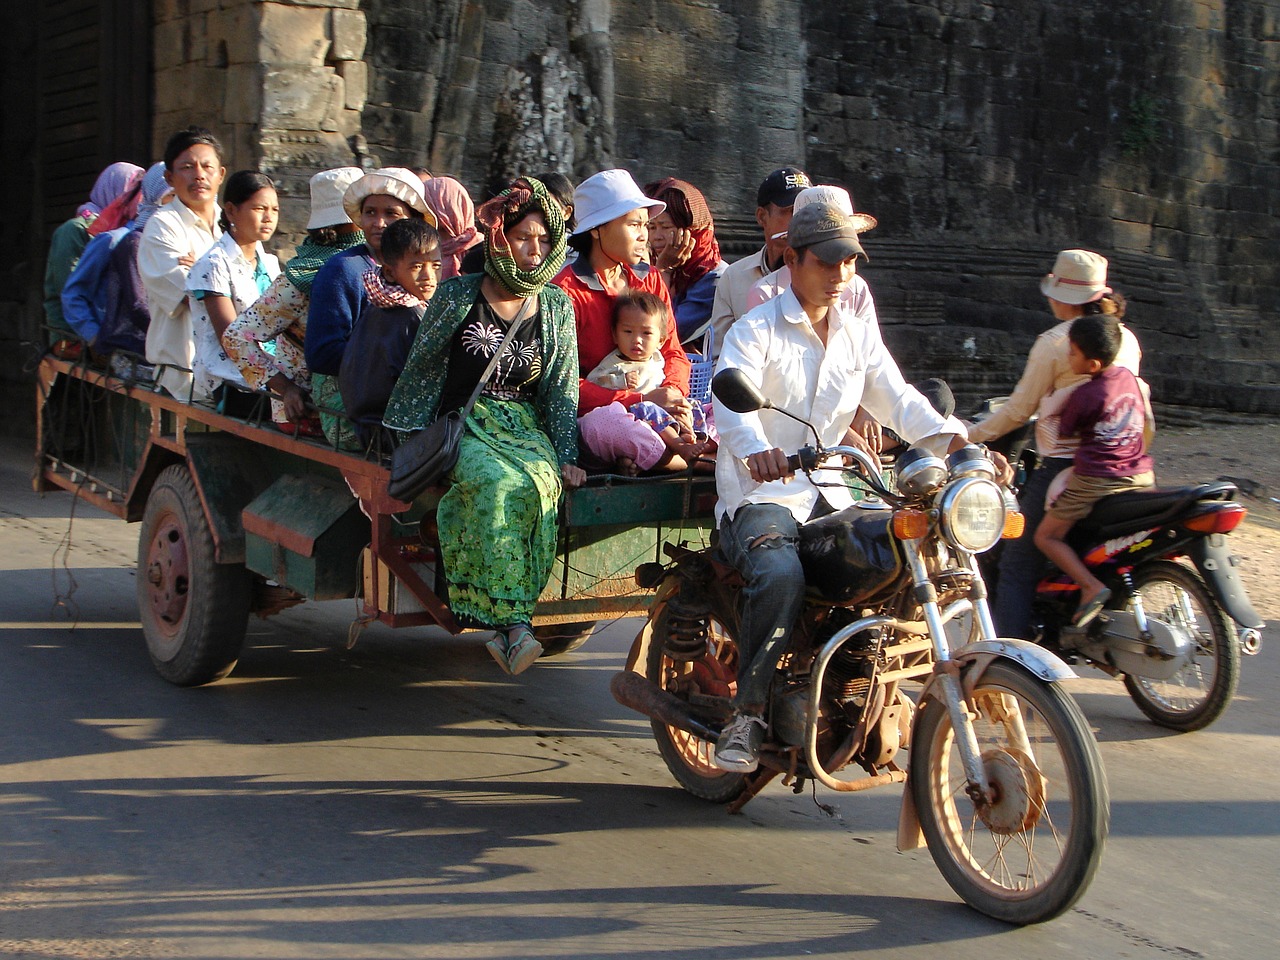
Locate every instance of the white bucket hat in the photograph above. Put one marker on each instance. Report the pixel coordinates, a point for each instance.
(608, 195)
(1079, 276)
(398, 182)
(327, 188)
(839, 196)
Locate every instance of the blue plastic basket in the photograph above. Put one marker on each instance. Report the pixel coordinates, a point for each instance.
(702, 367)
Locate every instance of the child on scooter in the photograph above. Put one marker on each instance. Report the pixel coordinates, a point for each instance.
(1109, 414)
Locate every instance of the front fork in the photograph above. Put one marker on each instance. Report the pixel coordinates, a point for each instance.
(947, 672)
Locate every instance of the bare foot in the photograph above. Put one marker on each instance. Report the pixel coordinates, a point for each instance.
(626, 467)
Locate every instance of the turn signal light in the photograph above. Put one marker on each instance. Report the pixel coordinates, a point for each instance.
(1219, 521)
(1014, 524)
(910, 524)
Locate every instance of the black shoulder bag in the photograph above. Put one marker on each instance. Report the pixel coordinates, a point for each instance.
(425, 458)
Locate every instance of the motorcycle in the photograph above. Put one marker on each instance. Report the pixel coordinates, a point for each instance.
(1179, 618)
(1003, 780)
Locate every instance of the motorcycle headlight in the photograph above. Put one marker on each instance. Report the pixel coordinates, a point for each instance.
(919, 473)
(971, 511)
(970, 461)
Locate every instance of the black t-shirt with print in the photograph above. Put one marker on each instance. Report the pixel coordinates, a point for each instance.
(481, 333)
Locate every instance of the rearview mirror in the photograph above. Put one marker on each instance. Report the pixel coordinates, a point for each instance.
(733, 388)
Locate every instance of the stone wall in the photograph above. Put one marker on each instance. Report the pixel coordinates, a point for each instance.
(484, 91)
(985, 134)
(282, 83)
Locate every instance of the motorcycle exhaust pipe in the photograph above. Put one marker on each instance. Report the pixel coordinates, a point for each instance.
(643, 696)
(1250, 642)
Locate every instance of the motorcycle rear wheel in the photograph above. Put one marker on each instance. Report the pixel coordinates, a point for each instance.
(691, 759)
(1030, 855)
(1189, 700)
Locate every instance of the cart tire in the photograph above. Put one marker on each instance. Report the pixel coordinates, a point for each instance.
(193, 610)
(560, 638)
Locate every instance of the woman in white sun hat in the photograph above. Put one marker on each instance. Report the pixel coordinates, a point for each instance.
(374, 202)
(1076, 287)
(611, 239)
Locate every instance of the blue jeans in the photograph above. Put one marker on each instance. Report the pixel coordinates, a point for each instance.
(760, 542)
(1022, 565)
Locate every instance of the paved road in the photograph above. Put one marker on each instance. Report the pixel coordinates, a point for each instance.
(405, 799)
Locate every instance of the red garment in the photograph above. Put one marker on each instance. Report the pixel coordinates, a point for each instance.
(593, 314)
(1108, 413)
(689, 211)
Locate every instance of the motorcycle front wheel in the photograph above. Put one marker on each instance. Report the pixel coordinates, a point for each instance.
(1200, 692)
(1029, 853)
(691, 759)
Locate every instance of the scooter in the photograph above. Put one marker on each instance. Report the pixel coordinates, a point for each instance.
(1179, 618)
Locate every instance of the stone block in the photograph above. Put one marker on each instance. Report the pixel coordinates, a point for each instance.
(293, 35)
(355, 83)
(195, 37)
(1130, 236)
(234, 32)
(166, 10)
(242, 93)
(326, 4)
(298, 97)
(168, 44)
(349, 32)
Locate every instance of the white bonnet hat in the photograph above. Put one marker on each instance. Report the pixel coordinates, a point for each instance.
(327, 188)
(399, 182)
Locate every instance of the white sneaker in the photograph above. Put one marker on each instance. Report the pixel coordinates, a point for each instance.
(738, 748)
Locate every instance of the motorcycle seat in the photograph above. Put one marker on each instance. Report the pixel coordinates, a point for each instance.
(1146, 507)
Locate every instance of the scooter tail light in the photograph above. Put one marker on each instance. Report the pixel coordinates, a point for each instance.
(1219, 521)
(1014, 524)
(910, 524)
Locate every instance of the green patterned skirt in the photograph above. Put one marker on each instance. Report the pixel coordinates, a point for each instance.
(497, 521)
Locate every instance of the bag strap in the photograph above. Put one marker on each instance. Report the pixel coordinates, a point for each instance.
(516, 323)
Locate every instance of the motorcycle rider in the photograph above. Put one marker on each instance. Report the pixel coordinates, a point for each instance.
(1077, 287)
(815, 358)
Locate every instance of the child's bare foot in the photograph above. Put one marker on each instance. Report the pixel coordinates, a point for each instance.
(687, 450)
(626, 467)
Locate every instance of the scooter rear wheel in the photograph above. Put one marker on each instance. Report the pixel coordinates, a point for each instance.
(1200, 693)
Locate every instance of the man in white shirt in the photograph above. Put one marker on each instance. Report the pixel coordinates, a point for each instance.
(774, 200)
(818, 359)
(173, 239)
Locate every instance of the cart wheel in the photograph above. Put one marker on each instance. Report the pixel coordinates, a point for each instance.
(193, 610)
(558, 638)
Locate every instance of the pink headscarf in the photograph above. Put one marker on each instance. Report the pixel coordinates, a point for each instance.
(120, 210)
(456, 215)
(111, 182)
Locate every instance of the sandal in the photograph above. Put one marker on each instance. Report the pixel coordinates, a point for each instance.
(497, 648)
(1086, 613)
(523, 650)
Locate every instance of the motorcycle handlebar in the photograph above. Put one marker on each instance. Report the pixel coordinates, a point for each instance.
(810, 459)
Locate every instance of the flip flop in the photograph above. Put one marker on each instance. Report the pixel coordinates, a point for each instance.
(497, 648)
(524, 650)
(1086, 613)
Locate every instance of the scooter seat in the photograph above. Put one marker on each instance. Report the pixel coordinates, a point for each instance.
(1145, 507)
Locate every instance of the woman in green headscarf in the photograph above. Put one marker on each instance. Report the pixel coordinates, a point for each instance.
(497, 522)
